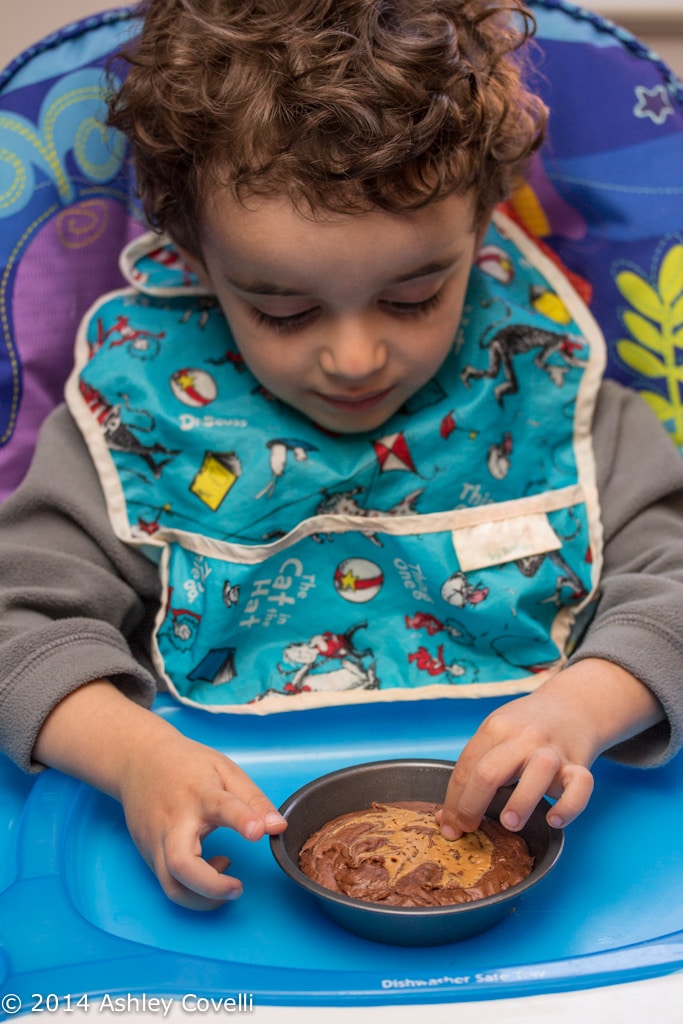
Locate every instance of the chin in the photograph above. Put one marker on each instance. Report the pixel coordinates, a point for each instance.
(352, 424)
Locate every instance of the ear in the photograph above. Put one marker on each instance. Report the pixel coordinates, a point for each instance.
(482, 228)
(196, 265)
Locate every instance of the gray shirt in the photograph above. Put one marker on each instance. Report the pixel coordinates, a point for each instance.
(76, 604)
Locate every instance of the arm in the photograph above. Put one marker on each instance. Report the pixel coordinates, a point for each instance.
(174, 791)
(620, 693)
(75, 603)
(76, 608)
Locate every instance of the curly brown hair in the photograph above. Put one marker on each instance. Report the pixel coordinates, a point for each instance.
(341, 105)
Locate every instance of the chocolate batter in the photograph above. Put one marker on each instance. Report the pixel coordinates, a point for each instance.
(394, 853)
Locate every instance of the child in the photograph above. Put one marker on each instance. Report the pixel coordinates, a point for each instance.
(222, 510)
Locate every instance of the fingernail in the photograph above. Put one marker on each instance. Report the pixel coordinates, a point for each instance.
(555, 821)
(234, 894)
(274, 820)
(510, 821)
(448, 832)
(253, 830)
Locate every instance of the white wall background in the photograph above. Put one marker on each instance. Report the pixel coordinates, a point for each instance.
(23, 22)
(639, 8)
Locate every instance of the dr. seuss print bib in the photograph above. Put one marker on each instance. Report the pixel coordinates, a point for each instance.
(446, 553)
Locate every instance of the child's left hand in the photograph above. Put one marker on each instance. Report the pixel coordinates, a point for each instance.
(547, 741)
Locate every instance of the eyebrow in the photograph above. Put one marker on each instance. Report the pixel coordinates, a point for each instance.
(268, 288)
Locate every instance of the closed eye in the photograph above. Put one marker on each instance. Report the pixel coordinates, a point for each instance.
(285, 324)
(413, 308)
(298, 321)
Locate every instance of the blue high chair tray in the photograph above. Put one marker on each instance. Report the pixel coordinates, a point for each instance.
(80, 912)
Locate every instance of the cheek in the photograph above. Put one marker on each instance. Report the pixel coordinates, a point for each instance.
(272, 363)
(431, 346)
(449, 324)
(428, 353)
(251, 344)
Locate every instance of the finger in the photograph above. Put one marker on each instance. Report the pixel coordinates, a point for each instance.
(189, 879)
(447, 816)
(273, 821)
(471, 789)
(543, 775)
(219, 862)
(244, 807)
(536, 779)
(250, 820)
(189, 898)
(576, 785)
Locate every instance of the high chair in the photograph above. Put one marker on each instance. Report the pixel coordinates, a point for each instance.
(81, 917)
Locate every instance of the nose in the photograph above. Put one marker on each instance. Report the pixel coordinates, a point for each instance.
(353, 350)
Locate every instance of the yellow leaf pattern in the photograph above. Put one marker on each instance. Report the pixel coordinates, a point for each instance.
(640, 294)
(671, 275)
(655, 323)
(645, 331)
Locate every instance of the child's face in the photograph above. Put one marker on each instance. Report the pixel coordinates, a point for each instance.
(346, 317)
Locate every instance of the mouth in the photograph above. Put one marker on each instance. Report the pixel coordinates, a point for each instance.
(356, 403)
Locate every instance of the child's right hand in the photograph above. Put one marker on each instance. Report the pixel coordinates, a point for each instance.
(174, 791)
(173, 796)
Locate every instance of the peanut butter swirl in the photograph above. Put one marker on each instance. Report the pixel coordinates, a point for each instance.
(394, 853)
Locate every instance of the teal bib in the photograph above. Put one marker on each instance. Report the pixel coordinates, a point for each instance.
(452, 552)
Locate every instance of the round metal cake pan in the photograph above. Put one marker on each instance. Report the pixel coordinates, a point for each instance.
(356, 788)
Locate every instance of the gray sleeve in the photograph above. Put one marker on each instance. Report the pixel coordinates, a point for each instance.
(94, 619)
(639, 620)
(75, 603)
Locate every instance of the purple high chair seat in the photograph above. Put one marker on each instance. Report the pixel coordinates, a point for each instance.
(605, 193)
